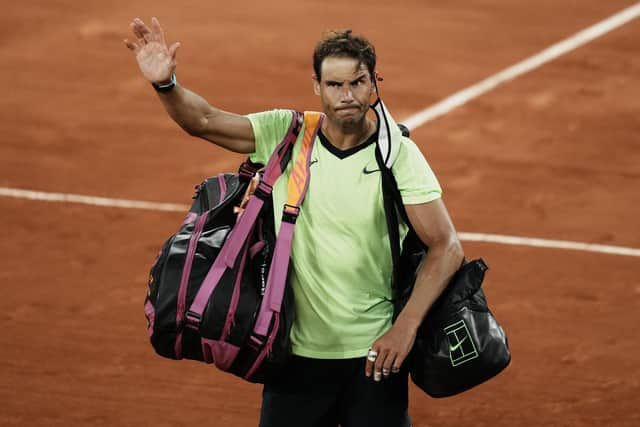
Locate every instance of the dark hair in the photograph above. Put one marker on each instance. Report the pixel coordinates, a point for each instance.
(344, 44)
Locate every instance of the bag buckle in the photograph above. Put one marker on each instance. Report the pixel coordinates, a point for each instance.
(290, 213)
(247, 171)
(193, 320)
(263, 191)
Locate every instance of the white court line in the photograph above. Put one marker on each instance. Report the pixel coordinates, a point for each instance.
(546, 243)
(549, 54)
(91, 200)
(173, 207)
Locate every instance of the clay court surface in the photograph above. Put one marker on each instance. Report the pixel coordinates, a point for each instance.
(552, 154)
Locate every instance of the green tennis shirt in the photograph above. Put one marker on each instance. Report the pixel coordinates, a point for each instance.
(341, 260)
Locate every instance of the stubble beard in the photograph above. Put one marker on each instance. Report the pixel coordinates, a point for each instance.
(351, 124)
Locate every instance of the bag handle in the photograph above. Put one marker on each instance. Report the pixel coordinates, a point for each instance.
(407, 258)
(276, 165)
(248, 169)
(297, 189)
(238, 236)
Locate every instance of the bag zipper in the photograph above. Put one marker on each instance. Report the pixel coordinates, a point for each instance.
(184, 281)
(235, 298)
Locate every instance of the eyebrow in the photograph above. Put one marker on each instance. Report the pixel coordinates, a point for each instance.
(351, 82)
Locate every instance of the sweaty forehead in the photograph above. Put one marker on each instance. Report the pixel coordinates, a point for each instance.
(342, 69)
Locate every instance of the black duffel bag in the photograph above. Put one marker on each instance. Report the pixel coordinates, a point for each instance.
(213, 295)
(460, 344)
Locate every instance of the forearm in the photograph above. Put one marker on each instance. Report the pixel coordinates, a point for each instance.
(188, 109)
(198, 118)
(441, 262)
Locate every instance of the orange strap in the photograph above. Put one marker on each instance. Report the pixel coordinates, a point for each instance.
(299, 178)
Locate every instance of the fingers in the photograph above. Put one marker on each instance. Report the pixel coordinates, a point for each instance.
(397, 363)
(156, 31)
(377, 366)
(146, 35)
(371, 358)
(141, 31)
(136, 32)
(173, 50)
(381, 363)
(135, 27)
(144, 30)
(132, 45)
(387, 365)
(382, 367)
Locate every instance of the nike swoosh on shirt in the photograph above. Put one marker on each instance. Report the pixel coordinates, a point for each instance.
(367, 172)
(312, 162)
(453, 348)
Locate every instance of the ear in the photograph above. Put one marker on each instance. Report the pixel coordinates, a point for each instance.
(316, 85)
(376, 78)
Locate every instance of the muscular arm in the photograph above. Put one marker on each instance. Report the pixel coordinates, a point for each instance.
(194, 114)
(191, 112)
(433, 226)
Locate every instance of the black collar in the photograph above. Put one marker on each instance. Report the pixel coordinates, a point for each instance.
(343, 154)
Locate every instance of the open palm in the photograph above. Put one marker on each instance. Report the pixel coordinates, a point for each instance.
(156, 61)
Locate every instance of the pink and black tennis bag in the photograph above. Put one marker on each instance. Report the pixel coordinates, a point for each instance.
(218, 291)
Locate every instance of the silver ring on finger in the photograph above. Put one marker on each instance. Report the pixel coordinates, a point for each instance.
(372, 355)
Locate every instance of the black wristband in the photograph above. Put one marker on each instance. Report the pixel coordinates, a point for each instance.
(167, 86)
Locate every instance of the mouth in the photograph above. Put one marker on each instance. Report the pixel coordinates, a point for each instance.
(351, 108)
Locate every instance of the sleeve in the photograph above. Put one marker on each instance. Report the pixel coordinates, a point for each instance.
(269, 127)
(416, 181)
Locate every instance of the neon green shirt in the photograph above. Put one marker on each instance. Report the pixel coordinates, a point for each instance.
(341, 260)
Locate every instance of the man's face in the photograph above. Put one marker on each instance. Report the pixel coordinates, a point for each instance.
(345, 90)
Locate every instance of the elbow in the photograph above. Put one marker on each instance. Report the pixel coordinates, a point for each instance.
(192, 131)
(195, 128)
(454, 251)
(459, 252)
(448, 250)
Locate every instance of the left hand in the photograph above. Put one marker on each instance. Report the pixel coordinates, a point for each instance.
(392, 349)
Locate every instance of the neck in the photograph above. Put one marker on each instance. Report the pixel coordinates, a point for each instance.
(346, 137)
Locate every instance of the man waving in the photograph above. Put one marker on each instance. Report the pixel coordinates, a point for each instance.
(347, 366)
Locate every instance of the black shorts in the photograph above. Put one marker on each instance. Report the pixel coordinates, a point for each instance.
(328, 393)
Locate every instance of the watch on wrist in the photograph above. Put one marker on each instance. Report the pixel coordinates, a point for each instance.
(165, 87)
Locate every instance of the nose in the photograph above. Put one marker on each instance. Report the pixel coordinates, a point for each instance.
(346, 94)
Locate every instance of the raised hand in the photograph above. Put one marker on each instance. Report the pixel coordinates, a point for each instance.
(156, 61)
